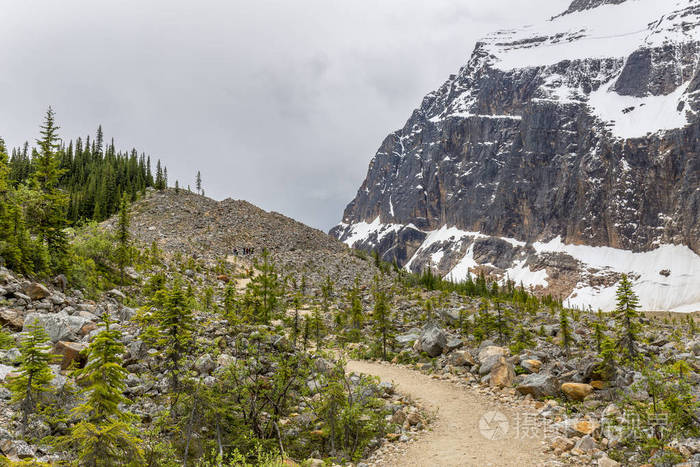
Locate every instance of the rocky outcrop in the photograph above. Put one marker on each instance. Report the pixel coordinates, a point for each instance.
(546, 134)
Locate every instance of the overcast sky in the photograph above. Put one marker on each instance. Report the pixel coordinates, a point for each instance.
(282, 103)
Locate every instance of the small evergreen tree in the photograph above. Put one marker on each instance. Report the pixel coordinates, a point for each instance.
(565, 330)
(355, 311)
(627, 318)
(264, 289)
(176, 325)
(34, 377)
(105, 433)
(599, 330)
(381, 317)
(502, 322)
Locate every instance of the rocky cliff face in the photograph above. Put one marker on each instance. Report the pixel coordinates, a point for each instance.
(580, 131)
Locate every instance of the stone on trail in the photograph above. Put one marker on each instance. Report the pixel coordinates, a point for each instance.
(502, 374)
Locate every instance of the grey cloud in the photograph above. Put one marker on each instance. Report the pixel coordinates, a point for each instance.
(281, 103)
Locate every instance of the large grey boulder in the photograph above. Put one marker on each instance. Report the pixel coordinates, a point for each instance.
(489, 356)
(433, 340)
(59, 326)
(539, 385)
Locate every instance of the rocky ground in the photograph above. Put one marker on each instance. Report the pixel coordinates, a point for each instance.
(580, 418)
(573, 413)
(212, 231)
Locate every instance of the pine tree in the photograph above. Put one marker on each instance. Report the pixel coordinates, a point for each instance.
(123, 238)
(565, 330)
(599, 330)
(502, 322)
(52, 219)
(381, 318)
(176, 325)
(198, 182)
(264, 289)
(105, 433)
(296, 302)
(160, 180)
(627, 317)
(355, 302)
(230, 303)
(34, 377)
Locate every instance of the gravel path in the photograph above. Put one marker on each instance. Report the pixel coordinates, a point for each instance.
(456, 437)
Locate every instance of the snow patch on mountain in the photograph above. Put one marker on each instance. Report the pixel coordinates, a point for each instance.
(636, 116)
(606, 31)
(677, 292)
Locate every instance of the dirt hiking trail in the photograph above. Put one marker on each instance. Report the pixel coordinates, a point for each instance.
(454, 437)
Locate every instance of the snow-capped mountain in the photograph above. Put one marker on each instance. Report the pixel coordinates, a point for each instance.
(561, 155)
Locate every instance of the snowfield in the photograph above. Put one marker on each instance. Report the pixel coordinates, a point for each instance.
(679, 291)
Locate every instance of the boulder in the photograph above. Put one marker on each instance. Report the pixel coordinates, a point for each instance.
(433, 340)
(116, 293)
(16, 448)
(462, 358)
(561, 444)
(60, 326)
(11, 319)
(70, 352)
(576, 391)
(533, 366)
(36, 291)
(539, 385)
(502, 374)
(605, 461)
(491, 350)
(584, 427)
(586, 444)
(204, 364)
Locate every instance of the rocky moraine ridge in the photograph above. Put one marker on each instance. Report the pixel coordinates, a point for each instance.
(561, 155)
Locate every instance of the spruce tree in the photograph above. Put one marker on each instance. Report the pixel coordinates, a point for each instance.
(160, 179)
(599, 330)
(565, 330)
(264, 289)
(52, 219)
(502, 321)
(627, 318)
(381, 317)
(176, 325)
(355, 302)
(33, 380)
(105, 433)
